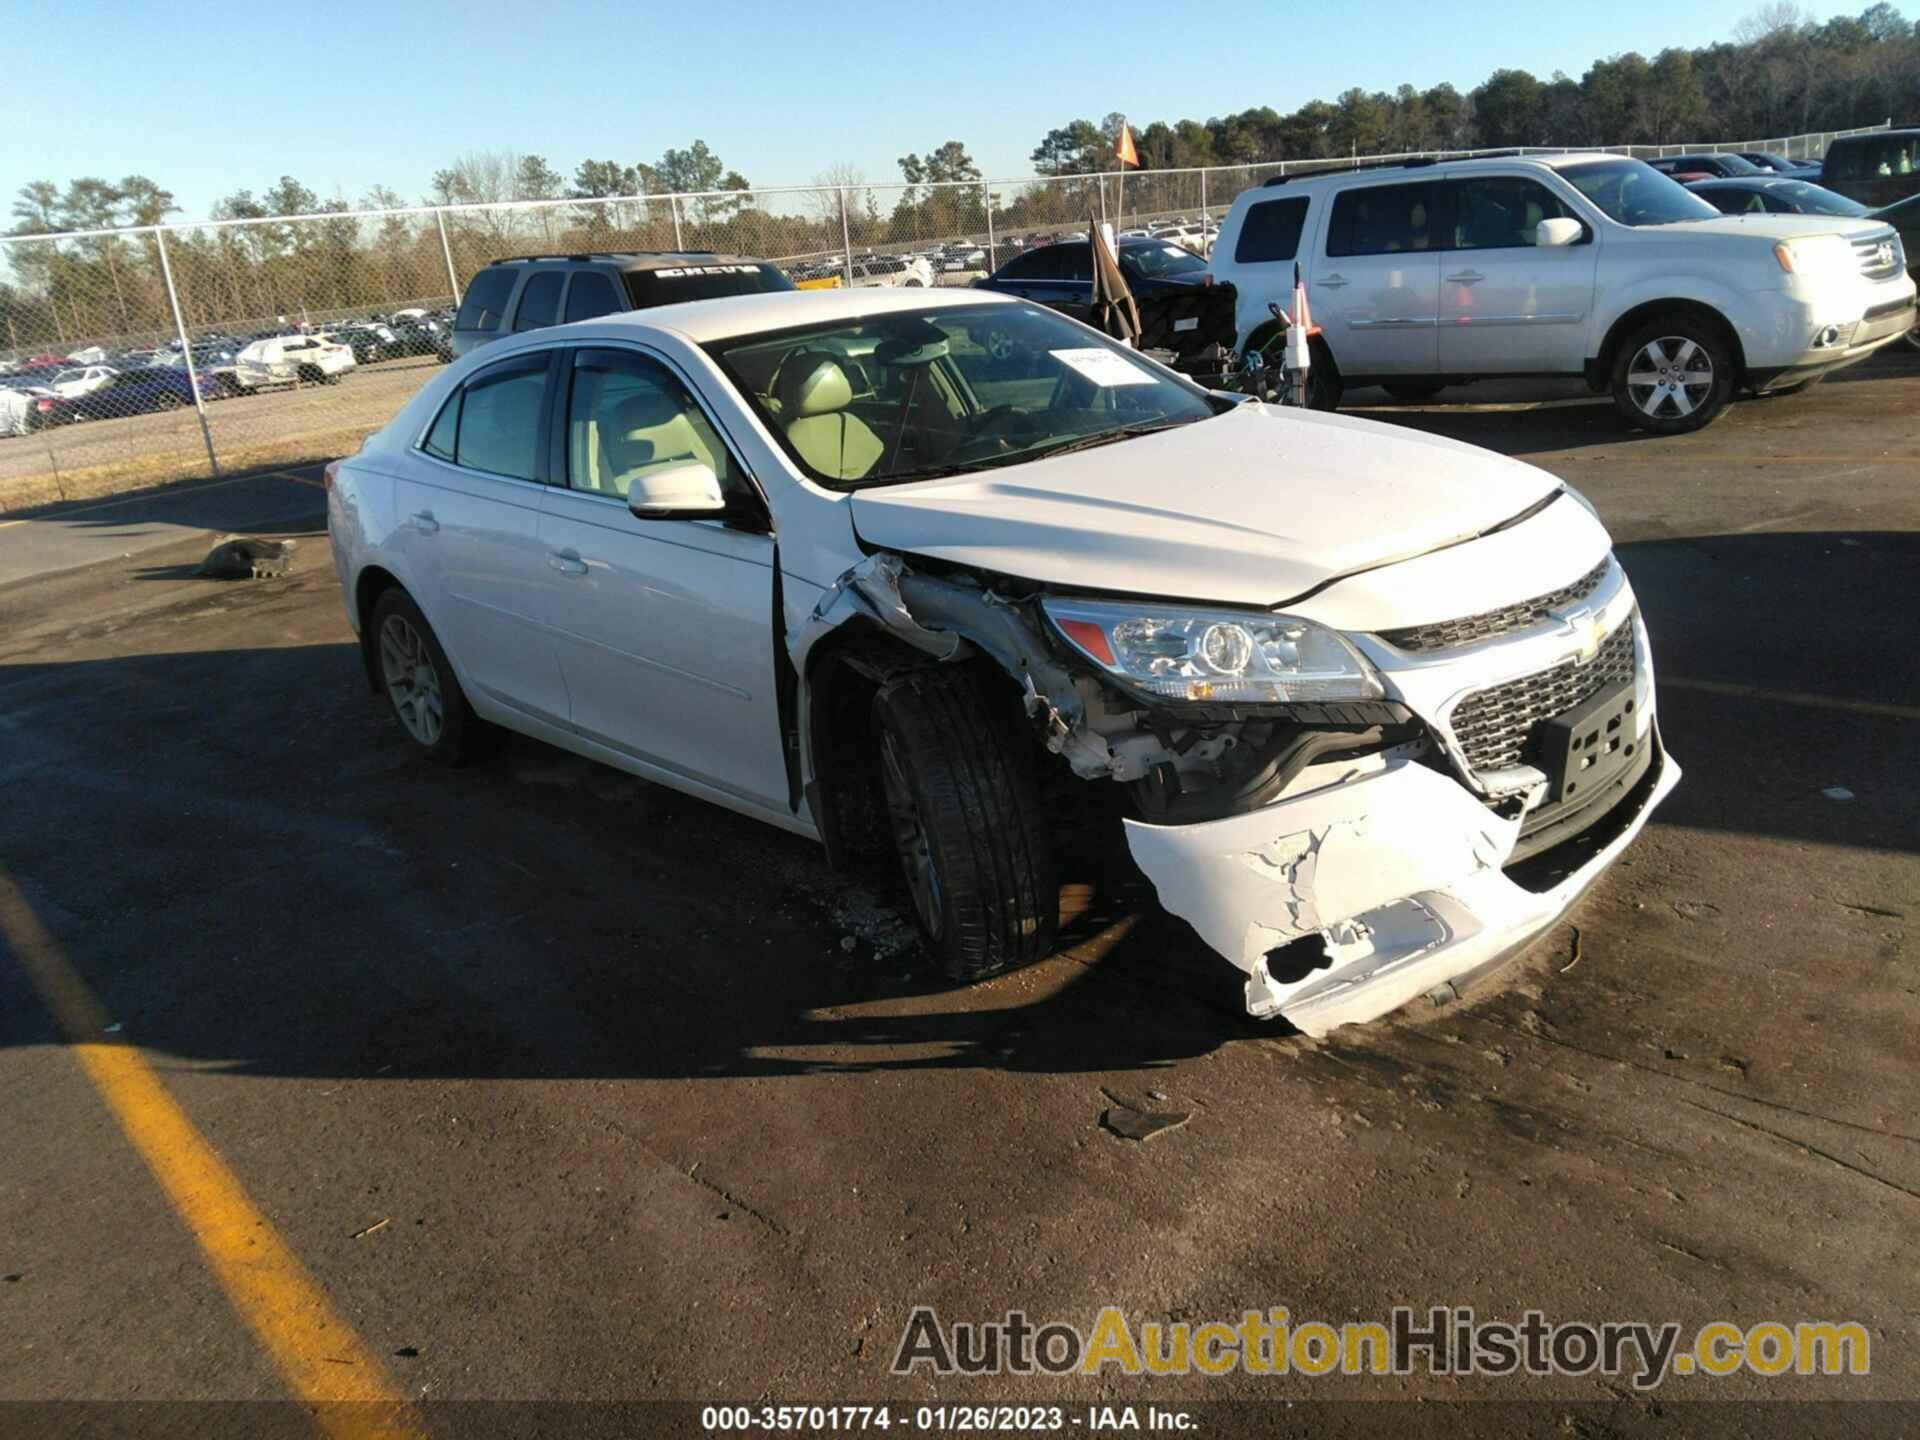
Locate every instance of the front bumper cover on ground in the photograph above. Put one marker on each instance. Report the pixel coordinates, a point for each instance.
(1399, 871)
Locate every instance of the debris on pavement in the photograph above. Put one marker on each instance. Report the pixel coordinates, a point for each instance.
(377, 1225)
(1130, 1120)
(1837, 792)
(244, 557)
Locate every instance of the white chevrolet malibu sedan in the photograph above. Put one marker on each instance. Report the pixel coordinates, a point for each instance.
(1374, 708)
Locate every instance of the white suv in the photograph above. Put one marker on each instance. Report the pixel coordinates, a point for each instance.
(1429, 274)
(1373, 707)
(292, 360)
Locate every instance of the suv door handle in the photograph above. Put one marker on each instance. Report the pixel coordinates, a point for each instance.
(567, 562)
(1332, 282)
(423, 521)
(1465, 277)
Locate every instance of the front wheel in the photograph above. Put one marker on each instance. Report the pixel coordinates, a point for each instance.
(967, 822)
(1673, 375)
(419, 682)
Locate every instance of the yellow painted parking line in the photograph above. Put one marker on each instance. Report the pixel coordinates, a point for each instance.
(316, 1352)
(1791, 697)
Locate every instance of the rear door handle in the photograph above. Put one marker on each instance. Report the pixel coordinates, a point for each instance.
(567, 562)
(423, 521)
(1332, 282)
(1466, 277)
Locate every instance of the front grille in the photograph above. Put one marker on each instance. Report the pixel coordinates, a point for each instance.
(1495, 726)
(1464, 631)
(1879, 255)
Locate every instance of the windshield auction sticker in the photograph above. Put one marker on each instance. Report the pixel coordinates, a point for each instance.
(1103, 367)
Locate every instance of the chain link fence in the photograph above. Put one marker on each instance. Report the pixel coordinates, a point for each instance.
(144, 356)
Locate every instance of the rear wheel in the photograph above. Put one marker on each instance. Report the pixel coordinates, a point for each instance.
(967, 822)
(1324, 385)
(310, 375)
(1673, 375)
(420, 685)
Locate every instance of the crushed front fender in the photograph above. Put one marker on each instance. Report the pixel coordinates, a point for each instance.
(1397, 870)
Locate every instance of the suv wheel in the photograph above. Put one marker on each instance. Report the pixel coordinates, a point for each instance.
(420, 685)
(1673, 375)
(967, 822)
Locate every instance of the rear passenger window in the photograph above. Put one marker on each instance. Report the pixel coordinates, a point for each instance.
(499, 428)
(539, 300)
(1502, 212)
(1385, 220)
(590, 294)
(486, 300)
(1024, 267)
(1271, 231)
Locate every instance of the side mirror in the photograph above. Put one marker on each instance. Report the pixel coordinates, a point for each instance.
(1560, 230)
(679, 492)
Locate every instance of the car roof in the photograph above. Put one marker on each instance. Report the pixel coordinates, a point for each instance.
(637, 259)
(731, 316)
(1424, 168)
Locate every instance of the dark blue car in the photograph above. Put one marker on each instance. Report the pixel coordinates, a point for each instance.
(131, 392)
(1061, 275)
(1762, 195)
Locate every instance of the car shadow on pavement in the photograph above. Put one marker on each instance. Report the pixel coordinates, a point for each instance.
(252, 870)
(244, 501)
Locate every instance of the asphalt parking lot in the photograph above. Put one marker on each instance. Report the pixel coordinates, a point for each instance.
(554, 1084)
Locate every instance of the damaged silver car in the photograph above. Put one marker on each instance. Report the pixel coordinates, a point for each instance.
(899, 569)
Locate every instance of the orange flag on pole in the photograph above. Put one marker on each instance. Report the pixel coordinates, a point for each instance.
(1123, 150)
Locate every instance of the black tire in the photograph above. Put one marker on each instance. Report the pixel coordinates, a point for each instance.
(1324, 386)
(1412, 392)
(459, 728)
(967, 821)
(1694, 365)
(309, 375)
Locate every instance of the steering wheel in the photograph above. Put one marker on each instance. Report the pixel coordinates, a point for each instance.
(995, 429)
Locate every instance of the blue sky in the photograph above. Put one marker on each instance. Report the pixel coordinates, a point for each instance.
(343, 94)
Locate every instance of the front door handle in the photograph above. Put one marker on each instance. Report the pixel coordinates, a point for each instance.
(567, 562)
(1465, 277)
(423, 521)
(1332, 282)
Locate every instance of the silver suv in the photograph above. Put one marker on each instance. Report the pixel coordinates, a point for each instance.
(1429, 274)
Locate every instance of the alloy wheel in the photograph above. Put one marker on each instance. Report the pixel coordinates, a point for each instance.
(1670, 378)
(412, 680)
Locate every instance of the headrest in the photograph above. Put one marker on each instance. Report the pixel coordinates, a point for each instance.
(812, 383)
(645, 409)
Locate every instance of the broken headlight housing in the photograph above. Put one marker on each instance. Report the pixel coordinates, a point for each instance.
(1214, 656)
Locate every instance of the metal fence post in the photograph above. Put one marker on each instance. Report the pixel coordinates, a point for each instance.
(186, 348)
(1205, 215)
(673, 203)
(846, 239)
(453, 279)
(993, 258)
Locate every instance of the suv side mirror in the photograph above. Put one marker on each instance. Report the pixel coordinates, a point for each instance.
(678, 492)
(1560, 230)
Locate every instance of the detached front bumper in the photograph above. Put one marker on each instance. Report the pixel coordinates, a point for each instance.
(1398, 871)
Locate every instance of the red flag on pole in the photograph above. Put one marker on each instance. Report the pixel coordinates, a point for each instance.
(1123, 150)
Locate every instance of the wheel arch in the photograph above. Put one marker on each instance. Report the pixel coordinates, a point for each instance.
(1600, 373)
(372, 582)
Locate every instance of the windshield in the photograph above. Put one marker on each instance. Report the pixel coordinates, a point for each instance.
(1163, 259)
(914, 395)
(1634, 193)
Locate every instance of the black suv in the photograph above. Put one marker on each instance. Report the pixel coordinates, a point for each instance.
(532, 291)
(1875, 169)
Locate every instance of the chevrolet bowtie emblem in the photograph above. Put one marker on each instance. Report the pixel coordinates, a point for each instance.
(1584, 625)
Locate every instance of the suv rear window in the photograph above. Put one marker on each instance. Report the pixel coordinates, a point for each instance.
(1271, 231)
(671, 284)
(486, 300)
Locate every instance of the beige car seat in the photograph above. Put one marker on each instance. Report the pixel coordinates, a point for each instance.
(814, 393)
(649, 430)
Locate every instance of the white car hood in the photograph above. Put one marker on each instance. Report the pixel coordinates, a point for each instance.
(1254, 507)
(1772, 227)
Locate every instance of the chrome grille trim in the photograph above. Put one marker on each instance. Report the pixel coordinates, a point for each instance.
(1445, 634)
(1493, 728)
(1866, 249)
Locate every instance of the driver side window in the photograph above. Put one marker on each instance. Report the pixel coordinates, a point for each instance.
(628, 415)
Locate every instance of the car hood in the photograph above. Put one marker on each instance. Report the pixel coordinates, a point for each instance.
(1254, 507)
(1770, 227)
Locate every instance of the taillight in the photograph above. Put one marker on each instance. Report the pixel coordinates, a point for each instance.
(326, 475)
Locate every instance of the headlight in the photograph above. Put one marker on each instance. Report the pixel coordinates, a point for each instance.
(1215, 656)
(1816, 255)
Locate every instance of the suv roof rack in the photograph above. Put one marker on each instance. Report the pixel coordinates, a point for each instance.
(1418, 162)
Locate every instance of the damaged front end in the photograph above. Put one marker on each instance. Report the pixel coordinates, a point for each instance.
(1353, 820)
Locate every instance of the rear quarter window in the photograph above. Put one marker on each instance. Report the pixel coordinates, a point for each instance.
(485, 304)
(1271, 231)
